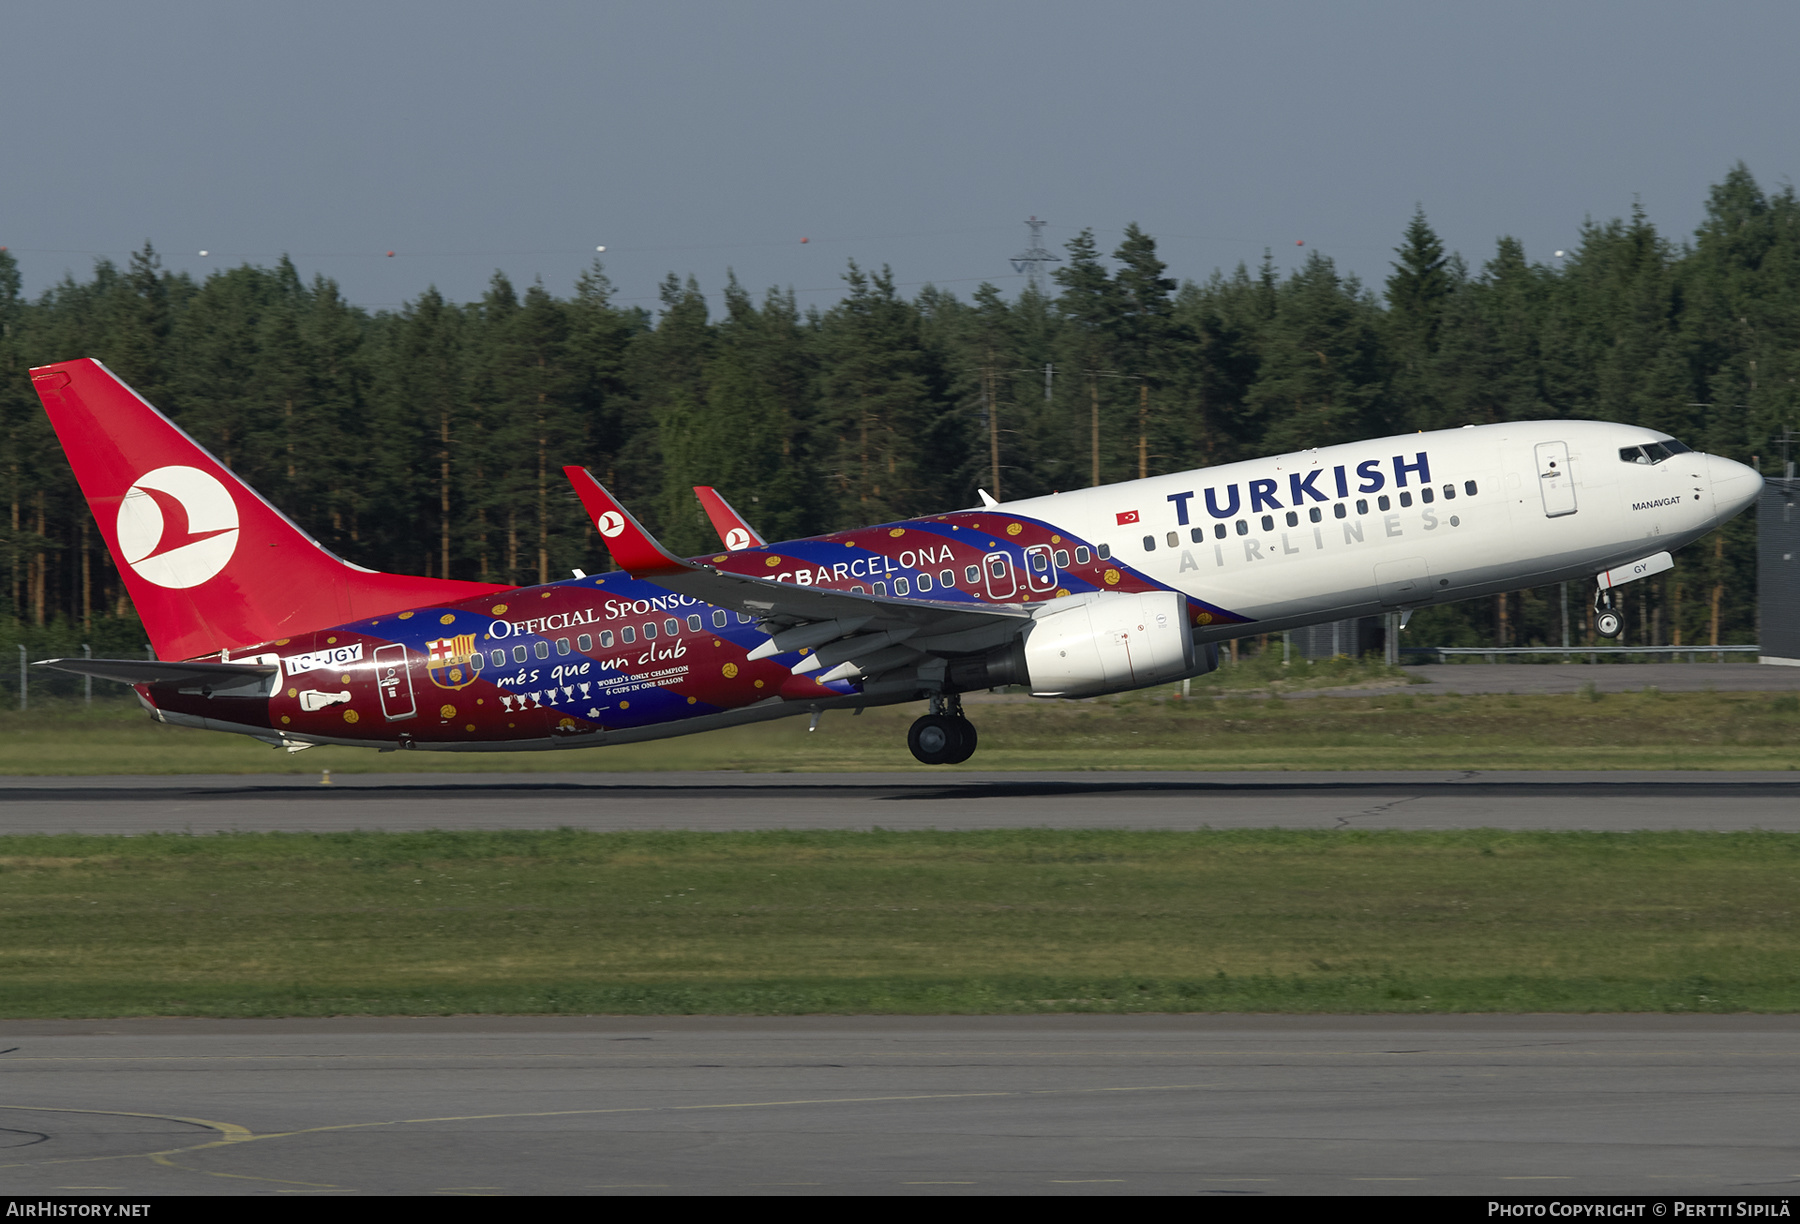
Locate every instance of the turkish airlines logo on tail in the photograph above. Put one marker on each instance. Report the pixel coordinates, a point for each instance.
(737, 539)
(177, 527)
(611, 523)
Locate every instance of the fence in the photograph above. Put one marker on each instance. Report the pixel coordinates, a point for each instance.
(23, 686)
(1593, 653)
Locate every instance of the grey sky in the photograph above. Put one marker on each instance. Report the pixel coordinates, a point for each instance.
(696, 137)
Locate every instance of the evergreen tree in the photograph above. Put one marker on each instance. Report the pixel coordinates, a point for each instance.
(883, 404)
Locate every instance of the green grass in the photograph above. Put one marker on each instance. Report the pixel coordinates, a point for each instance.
(994, 922)
(1219, 727)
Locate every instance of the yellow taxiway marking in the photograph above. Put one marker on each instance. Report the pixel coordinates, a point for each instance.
(234, 1134)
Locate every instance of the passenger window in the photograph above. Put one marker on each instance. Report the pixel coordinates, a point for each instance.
(1362, 505)
(1469, 487)
(606, 639)
(475, 662)
(1338, 510)
(1315, 514)
(672, 627)
(902, 587)
(518, 654)
(627, 634)
(947, 578)
(1174, 539)
(719, 618)
(997, 566)
(1243, 526)
(1383, 501)
(562, 646)
(972, 573)
(649, 631)
(694, 622)
(1293, 519)
(1041, 563)
(1105, 552)
(499, 658)
(1219, 531)
(1197, 534)
(858, 588)
(584, 643)
(541, 649)
(1268, 522)
(1427, 495)
(1149, 543)
(1405, 499)
(743, 618)
(1081, 554)
(881, 588)
(1449, 492)
(924, 583)
(1062, 558)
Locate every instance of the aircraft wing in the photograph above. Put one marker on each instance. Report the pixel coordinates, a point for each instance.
(848, 633)
(734, 532)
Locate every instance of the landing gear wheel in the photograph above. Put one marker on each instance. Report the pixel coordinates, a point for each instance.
(1607, 624)
(935, 739)
(965, 742)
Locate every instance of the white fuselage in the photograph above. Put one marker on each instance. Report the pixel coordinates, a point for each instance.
(1400, 522)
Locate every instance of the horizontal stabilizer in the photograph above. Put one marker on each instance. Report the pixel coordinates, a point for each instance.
(150, 671)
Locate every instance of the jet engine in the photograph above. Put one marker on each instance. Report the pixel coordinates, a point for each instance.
(1086, 645)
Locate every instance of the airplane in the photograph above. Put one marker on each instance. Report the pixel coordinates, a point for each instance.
(261, 631)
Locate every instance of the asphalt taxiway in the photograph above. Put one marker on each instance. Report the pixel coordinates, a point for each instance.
(1619, 800)
(1468, 1105)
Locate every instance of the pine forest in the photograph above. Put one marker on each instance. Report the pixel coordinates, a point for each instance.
(430, 439)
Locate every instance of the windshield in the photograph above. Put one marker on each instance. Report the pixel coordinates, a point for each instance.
(1653, 452)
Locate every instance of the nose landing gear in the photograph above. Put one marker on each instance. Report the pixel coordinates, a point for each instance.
(944, 736)
(1606, 622)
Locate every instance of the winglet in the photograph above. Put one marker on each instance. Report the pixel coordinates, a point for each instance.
(734, 532)
(635, 549)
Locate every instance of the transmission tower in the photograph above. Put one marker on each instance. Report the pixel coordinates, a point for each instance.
(1032, 259)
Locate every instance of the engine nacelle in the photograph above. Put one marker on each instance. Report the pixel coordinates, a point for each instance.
(1108, 642)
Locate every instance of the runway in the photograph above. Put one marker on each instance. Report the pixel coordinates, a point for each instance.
(1615, 801)
(1468, 1105)
(1062, 1104)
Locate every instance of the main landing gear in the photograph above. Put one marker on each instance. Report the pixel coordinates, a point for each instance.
(1606, 622)
(944, 736)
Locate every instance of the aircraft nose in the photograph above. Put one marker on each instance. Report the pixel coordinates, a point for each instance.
(1734, 486)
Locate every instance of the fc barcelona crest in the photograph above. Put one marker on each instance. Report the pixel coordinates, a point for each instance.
(447, 661)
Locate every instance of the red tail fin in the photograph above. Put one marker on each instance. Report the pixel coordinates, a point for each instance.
(209, 563)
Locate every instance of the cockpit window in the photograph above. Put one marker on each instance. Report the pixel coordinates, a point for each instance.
(1652, 452)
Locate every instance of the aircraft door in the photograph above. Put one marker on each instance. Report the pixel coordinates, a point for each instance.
(1554, 480)
(393, 678)
(1002, 579)
(1040, 568)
